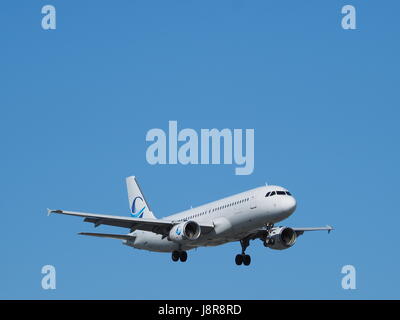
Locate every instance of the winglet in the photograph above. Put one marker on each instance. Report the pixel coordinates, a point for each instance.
(49, 211)
(330, 228)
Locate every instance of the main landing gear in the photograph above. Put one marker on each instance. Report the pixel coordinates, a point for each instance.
(179, 255)
(243, 258)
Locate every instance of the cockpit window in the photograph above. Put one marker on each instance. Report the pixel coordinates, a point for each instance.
(282, 193)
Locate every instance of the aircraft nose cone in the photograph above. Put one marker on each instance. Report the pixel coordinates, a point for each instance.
(290, 204)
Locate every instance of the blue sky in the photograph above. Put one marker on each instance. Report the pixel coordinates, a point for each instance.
(77, 102)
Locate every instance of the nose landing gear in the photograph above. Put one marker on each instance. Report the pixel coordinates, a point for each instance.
(269, 242)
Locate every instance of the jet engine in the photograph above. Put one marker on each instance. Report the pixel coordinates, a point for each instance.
(280, 238)
(185, 231)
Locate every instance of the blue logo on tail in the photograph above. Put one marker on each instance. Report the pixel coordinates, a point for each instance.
(134, 212)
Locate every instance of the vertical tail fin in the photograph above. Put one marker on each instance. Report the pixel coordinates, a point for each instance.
(138, 206)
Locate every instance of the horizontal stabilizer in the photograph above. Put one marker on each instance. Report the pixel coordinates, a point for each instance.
(107, 235)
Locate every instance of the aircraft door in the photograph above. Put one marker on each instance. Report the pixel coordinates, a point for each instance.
(253, 202)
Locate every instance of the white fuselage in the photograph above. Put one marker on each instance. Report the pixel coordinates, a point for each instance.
(233, 219)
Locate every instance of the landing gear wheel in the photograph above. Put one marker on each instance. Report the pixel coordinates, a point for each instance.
(246, 259)
(175, 256)
(183, 256)
(269, 242)
(243, 258)
(239, 259)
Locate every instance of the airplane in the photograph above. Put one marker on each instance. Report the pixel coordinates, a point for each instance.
(242, 217)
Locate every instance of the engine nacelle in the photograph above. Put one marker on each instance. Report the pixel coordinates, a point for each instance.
(185, 231)
(281, 238)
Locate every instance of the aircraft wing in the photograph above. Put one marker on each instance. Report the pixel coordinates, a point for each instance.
(107, 235)
(262, 233)
(159, 226)
(300, 231)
